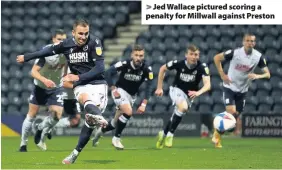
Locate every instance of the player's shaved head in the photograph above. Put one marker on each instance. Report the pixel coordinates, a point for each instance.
(249, 42)
(248, 35)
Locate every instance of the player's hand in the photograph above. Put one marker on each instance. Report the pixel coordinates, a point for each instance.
(141, 109)
(226, 79)
(252, 76)
(20, 58)
(67, 84)
(71, 78)
(49, 83)
(116, 93)
(193, 94)
(159, 92)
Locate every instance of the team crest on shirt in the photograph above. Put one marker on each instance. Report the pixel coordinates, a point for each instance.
(194, 72)
(183, 70)
(151, 76)
(71, 50)
(207, 70)
(85, 48)
(98, 50)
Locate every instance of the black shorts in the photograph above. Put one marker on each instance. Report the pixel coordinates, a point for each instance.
(234, 98)
(71, 107)
(44, 97)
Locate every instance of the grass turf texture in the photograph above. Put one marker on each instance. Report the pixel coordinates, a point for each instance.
(140, 153)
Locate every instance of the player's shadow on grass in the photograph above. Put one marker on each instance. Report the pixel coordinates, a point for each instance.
(100, 161)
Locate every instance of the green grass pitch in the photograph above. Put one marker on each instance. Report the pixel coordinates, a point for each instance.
(140, 153)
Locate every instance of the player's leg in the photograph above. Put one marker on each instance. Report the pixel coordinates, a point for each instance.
(47, 124)
(37, 97)
(123, 114)
(26, 126)
(180, 109)
(55, 106)
(126, 113)
(111, 126)
(230, 107)
(94, 99)
(72, 109)
(240, 102)
(180, 99)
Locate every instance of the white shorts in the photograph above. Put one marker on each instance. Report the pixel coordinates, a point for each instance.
(98, 94)
(177, 95)
(125, 98)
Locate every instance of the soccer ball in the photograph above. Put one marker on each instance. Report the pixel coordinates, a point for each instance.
(224, 122)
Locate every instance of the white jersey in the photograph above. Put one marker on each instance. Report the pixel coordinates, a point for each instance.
(52, 68)
(241, 64)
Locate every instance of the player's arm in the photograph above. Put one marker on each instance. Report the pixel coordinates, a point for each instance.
(45, 52)
(206, 82)
(168, 66)
(263, 65)
(111, 73)
(148, 90)
(207, 85)
(227, 55)
(39, 63)
(67, 84)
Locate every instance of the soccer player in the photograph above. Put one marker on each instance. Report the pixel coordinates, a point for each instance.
(243, 62)
(86, 62)
(189, 72)
(132, 73)
(47, 73)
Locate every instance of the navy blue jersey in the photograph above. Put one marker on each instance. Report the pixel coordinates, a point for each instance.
(131, 78)
(187, 79)
(86, 61)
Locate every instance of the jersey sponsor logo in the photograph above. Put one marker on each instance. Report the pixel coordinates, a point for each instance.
(187, 77)
(99, 51)
(78, 57)
(242, 67)
(132, 77)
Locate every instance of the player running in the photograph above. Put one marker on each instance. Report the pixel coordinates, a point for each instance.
(189, 73)
(132, 73)
(47, 91)
(243, 62)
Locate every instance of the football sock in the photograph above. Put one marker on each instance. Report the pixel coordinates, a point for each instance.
(121, 123)
(25, 129)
